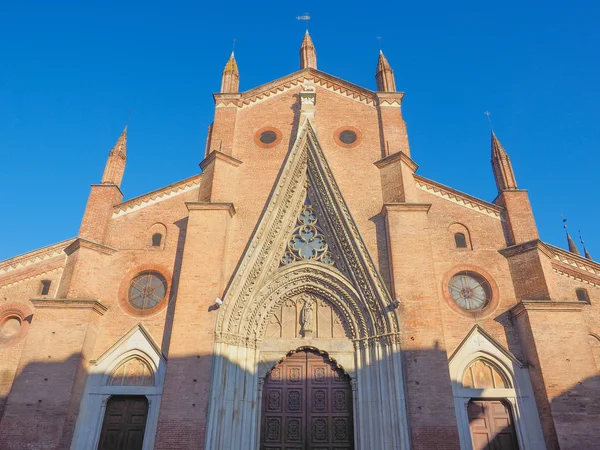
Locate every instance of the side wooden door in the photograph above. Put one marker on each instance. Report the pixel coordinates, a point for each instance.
(124, 423)
(491, 425)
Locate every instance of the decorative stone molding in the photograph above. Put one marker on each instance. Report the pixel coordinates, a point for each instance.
(34, 257)
(67, 303)
(216, 154)
(209, 206)
(546, 305)
(399, 156)
(151, 198)
(86, 243)
(459, 198)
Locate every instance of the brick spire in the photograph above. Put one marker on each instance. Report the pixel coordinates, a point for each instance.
(572, 246)
(115, 165)
(384, 75)
(308, 54)
(503, 172)
(230, 80)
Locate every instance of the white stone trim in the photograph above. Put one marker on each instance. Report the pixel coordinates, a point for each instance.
(93, 404)
(479, 344)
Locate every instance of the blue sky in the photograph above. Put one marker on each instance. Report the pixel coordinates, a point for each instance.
(71, 72)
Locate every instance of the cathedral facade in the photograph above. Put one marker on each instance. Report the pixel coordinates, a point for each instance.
(306, 290)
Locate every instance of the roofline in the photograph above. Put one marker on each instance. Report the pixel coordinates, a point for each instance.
(31, 253)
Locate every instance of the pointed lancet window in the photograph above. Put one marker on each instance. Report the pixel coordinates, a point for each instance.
(308, 241)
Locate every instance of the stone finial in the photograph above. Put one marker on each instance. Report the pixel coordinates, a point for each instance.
(308, 98)
(308, 54)
(230, 80)
(384, 75)
(115, 165)
(502, 167)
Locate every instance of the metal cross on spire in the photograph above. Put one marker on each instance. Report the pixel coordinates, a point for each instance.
(379, 38)
(305, 17)
(488, 114)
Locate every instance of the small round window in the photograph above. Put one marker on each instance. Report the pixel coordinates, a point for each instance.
(470, 291)
(147, 290)
(267, 137)
(348, 137)
(10, 327)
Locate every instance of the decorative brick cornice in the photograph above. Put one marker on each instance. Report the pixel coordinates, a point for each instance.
(34, 257)
(313, 76)
(577, 262)
(64, 303)
(458, 197)
(173, 190)
(399, 156)
(85, 243)
(227, 99)
(216, 154)
(546, 305)
(208, 206)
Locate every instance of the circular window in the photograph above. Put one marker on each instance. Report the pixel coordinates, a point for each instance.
(470, 291)
(347, 136)
(267, 137)
(147, 290)
(10, 327)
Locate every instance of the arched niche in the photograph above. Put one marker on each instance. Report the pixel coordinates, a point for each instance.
(456, 232)
(157, 236)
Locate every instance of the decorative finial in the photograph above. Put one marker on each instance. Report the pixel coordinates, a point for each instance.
(128, 117)
(379, 40)
(233, 46)
(305, 17)
(488, 114)
(585, 252)
(571, 244)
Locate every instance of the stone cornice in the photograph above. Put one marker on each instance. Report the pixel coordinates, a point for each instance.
(316, 77)
(34, 257)
(546, 305)
(216, 154)
(227, 99)
(525, 247)
(85, 243)
(389, 98)
(458, 197)
(64, 303)
(575, 261)
(156, 196)
(208, 206)
(399, 156)
(387, 207)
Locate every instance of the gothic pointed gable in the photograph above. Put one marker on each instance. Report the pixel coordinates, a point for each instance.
(305, 191)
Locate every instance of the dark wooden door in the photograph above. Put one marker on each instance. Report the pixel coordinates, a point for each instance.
(307, 405)
(491, 425)
(124, 423)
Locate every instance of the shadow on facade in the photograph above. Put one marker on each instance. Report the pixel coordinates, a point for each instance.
(44, 402)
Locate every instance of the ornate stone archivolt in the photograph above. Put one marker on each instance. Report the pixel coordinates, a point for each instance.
(353, 286)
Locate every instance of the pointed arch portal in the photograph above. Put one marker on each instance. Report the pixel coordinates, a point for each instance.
(306, 403)
(290, 292)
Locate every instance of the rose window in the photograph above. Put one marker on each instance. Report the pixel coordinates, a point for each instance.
(147, 290)
(470, 290)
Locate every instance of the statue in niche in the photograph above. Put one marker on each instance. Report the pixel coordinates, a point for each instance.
(307, 318)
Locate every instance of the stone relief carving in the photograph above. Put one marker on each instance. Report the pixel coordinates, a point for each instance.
(306, 316)
(260, 285)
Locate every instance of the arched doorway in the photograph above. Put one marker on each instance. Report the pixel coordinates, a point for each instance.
(306, 404)
(124, 423)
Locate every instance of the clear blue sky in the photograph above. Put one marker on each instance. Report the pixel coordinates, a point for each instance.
(71, 71)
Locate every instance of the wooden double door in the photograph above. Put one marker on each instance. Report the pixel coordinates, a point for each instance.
(124, 423)
(492, 426)
(307, 405)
